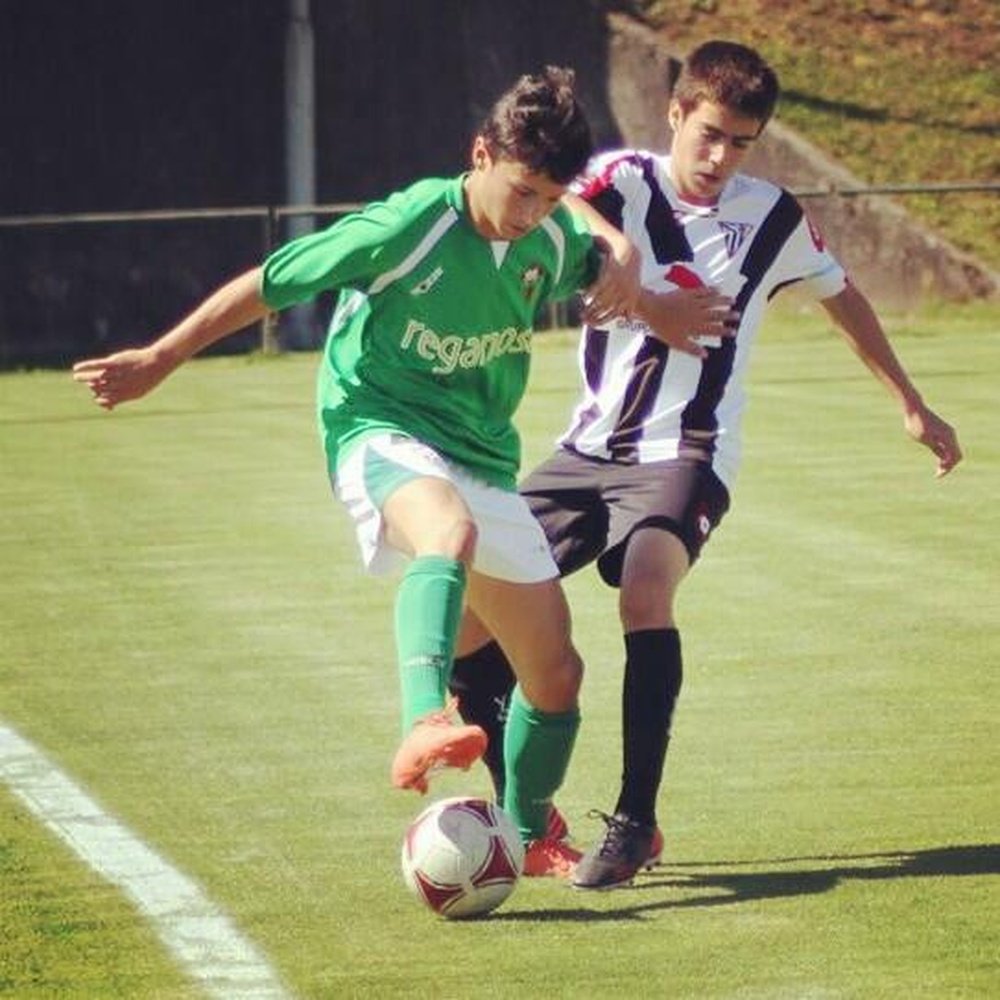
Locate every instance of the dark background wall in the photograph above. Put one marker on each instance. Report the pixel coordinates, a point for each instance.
(114, 105)
(428, 72)
(128, 104)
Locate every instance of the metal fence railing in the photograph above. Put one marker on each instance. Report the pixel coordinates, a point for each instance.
(271, 217)
(949, 187)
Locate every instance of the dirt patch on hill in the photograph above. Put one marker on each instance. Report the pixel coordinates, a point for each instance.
(965, 31)
(899, 92)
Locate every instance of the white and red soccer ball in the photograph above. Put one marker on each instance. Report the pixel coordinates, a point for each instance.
(462, 857)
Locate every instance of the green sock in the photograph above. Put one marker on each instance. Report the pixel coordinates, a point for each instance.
(537, 747)
(428, 610)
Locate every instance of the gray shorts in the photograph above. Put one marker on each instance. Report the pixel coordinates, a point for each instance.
(589, 507)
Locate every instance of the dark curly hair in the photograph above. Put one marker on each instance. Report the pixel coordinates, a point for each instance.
(539, 122)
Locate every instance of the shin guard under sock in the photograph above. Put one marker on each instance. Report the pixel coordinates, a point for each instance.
(537, 749)
(653, 676)
(428, 610)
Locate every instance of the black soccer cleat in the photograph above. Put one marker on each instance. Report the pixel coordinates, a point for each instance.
(614, 860)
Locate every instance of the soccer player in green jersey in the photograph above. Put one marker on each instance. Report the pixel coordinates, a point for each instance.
(425, 363)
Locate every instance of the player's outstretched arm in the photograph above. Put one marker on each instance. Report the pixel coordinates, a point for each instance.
(616, 289)
(853, 314)
(677, 318)
(682, 317)
(131, 374)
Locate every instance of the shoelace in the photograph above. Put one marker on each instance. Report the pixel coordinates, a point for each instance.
(617, 831)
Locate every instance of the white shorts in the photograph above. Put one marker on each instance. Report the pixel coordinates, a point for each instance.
(510, 543)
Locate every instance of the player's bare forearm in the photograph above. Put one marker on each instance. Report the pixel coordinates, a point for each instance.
(857, 321)
(131, 374)
(617, 287)
(677, 318)
(681, 318)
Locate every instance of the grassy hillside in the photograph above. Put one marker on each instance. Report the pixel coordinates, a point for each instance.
(899, 91)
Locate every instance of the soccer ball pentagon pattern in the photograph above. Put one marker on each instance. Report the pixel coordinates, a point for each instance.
(462, 857)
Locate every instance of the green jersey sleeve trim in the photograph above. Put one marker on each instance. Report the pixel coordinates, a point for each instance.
(364, 250)
(559, 240)
(420, 251)
(578, 255)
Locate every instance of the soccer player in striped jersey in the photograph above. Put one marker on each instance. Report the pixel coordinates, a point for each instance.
(426, 360)
(642, 476)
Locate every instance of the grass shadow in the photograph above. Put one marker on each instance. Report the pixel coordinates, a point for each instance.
(860, 112)
(694, 885)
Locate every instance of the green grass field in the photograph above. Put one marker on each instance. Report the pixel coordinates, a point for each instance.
(186, 634)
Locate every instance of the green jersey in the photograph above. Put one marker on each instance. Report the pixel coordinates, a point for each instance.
(431, 334)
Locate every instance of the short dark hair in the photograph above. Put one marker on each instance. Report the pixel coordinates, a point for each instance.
(731, 75)
(539, 122)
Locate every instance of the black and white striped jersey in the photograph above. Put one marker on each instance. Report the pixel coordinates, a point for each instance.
(643, 402)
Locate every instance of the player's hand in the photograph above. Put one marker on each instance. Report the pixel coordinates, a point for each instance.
(616, 290)
(122, 376)
(689, 319)
(932, 432)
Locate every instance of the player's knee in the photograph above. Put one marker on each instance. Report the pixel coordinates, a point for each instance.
(570, 676)
(554, 686)
(645, 607)
(459, 540)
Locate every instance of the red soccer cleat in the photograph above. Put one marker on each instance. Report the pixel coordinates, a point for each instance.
(435, 742)
(548, 858)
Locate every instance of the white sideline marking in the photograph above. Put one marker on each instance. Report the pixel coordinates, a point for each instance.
(201, 937)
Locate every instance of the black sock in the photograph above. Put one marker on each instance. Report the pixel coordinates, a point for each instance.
(652, 683)
(482, 682)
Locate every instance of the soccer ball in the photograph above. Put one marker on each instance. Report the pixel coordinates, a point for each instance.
(462, 857)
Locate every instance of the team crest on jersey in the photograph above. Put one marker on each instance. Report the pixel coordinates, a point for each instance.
(530, 277)
(423, 287)
(735, 234)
